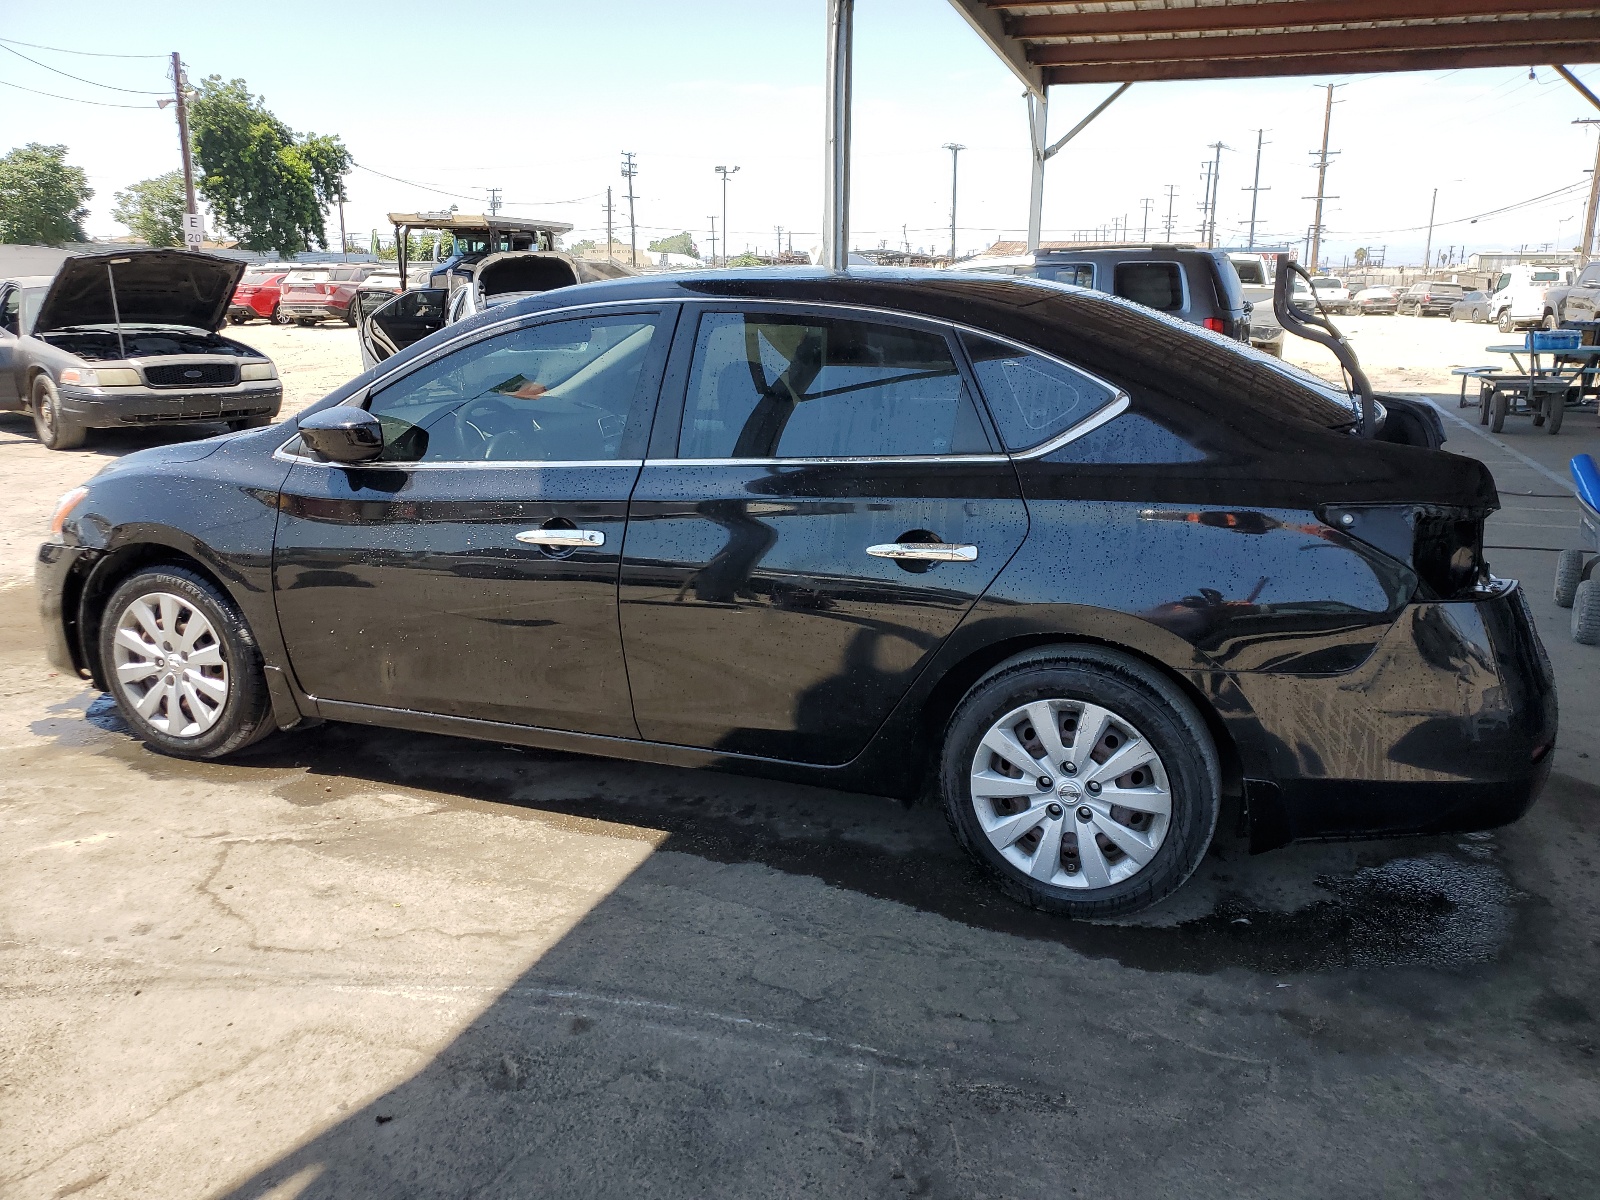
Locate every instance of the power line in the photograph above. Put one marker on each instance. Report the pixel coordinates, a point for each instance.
(91, 82)
(75, 99)
(1495, 212)
(86, 53)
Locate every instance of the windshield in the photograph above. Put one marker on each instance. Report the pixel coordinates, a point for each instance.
(1326, 283)
(31, 299)
(1545, 277)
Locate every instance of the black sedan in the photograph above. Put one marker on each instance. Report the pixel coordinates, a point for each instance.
(1076, 569)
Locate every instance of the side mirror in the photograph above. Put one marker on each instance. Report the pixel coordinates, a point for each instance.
(343, 434)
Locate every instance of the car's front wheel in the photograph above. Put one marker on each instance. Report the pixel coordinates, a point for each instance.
(1083, 780)
(183, 665)
(54, 429)
(1506, 324)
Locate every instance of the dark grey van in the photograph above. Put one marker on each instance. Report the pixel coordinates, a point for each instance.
(1187, 282)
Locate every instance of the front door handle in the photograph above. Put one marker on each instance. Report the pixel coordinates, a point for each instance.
(925, 551)
(565, 539)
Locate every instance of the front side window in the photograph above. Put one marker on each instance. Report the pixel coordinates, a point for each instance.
(764, 385)
(557, 392)
(1157, 285)
(1031, 398)
(11, 314)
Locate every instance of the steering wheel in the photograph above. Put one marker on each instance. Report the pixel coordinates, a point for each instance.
(478, 423)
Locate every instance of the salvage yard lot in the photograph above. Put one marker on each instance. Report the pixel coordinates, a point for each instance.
(362, 963)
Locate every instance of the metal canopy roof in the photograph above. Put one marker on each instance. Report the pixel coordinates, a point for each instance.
(1125, 41)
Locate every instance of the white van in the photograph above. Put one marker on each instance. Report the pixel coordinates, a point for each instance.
(1517, 299)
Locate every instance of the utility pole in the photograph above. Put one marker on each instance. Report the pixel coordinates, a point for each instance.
(1172, 195)
(1427, 253)
(1255, 189)
(1322, 178)
(1594, 200)
(1216, 179)
(608, 224)
(713, 221)
(344, 238)
(779, 229)
(182, 102)
(1146, 203)
(955, 149)
(1205, 202)
(727, 234)
(494, 201)
(629, 170)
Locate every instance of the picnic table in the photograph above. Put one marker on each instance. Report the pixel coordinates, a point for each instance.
(1539, 386)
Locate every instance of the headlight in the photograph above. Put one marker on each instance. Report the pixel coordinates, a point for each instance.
(103, 377)
(256, 371)
(64, 507)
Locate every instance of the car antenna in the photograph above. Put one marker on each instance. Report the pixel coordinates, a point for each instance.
(116, 313)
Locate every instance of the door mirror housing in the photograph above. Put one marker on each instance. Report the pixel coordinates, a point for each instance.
(343, 434)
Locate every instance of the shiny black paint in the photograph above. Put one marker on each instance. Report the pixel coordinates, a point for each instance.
(1350, 705)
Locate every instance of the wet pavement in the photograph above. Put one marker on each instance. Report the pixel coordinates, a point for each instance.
(356, 963)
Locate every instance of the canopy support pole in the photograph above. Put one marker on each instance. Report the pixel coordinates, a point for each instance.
(836, 204)
(1038, 114)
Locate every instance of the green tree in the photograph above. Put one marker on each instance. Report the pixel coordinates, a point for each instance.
(153, 209)
(746, 259)
(678, 243)
(268, 187)
(42, 198)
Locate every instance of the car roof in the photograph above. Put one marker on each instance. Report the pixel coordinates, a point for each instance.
(30, 281)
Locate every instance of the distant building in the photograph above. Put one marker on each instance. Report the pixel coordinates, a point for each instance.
(1490, 262)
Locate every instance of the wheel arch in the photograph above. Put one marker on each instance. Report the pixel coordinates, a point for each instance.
(960, 677)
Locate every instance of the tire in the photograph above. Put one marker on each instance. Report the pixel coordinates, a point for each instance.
(304, 322)
(166, 601)
(1557, 412)
(1505, 323)
(1484, 396)
(1497, 411)
(54, 430)
(1452, 316)
(1140, 719)
(277, 318)
(350, 315)
(1569, 574)
(1586, 613)
(1550, 321)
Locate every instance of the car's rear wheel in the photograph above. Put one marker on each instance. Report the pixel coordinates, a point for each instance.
(183, 665)
(1586, 613)
(277, 318)
(1506, 324)
(54, 429)
(1083, 780)
(1550, 321)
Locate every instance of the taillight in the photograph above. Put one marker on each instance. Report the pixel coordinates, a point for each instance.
(1216, 325)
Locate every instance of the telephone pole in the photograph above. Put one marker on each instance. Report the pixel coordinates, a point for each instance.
(494, 201)
(1216, 179)
(629, 170)
(779, 230)
(1427, 253)
(955, 149)
(1146, 203)
(727, 234)
(1594, 201)
(182, 102)
(713, 221)
(1255, 189)
(608, 224)
(1205, 202)
(1322, 157)
(1172, 195)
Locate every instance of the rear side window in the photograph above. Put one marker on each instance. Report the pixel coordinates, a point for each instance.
(765, 385)
(1157, 285)
(1031, 398)
(1077, 274)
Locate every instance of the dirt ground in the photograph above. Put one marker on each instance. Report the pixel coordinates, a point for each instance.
(363, 964)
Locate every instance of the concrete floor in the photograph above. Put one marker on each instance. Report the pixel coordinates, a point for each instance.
(360, 964)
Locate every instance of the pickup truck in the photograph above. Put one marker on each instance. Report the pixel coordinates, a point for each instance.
(1526, 295)
(1256, 279)
(1578, 302)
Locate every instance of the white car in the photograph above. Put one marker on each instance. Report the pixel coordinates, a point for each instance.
(1331, 293)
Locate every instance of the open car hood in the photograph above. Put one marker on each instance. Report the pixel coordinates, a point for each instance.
(153, 287)
(540, 271)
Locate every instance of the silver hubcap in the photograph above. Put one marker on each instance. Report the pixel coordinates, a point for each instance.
(1072, 794)
(169, 665)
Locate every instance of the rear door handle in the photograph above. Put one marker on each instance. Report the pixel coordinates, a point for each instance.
(565, 538)
(925, 551)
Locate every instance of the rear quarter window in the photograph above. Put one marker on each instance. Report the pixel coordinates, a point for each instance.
(1157, 285)
(1032, 398)
(1076, 274)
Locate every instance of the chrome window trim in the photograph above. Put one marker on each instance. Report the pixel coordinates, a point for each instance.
(823, 462)
(474, 464)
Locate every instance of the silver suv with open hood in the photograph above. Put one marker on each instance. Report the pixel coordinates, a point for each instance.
(129, 338)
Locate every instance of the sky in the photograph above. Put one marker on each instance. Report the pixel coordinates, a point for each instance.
(541, 98)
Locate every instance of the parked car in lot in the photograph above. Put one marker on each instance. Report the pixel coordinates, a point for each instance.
(1079, 568)
(129, 338)
(1578, 301)
(1192, 284)
(1376, 301)
(1257, 275)
(1524, 295)
(257, 295)
(322, 293)
(1473, 306)
(1331, 293)
(497, 279)
(1428, 299)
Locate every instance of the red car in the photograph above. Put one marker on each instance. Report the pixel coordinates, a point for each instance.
(322, 292)
(256, 297)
